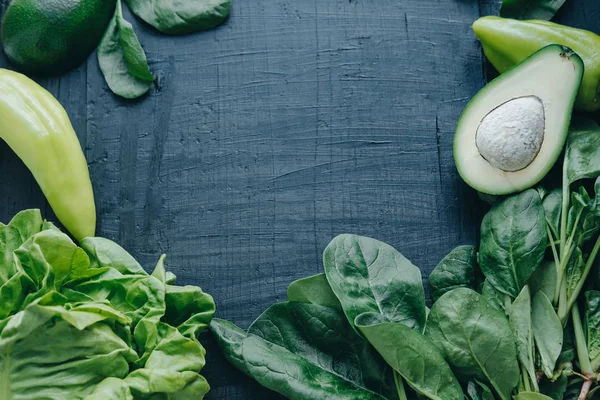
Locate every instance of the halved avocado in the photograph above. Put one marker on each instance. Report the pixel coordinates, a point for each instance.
(511, 133)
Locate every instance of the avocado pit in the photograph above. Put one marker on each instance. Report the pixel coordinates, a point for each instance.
(511, 135)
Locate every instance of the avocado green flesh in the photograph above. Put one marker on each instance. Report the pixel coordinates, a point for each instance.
(552, 75)
(49, 37)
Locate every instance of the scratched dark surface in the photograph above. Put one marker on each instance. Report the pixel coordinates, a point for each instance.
(265, 138)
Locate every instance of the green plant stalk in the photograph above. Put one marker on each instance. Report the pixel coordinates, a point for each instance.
(582, 352)
(563, 234)
(400, 386)
(586, 271)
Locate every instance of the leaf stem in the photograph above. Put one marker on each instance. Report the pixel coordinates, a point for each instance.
(565, 208)
(400, 386)
(580, 343)
(585, 389)
(586, 271)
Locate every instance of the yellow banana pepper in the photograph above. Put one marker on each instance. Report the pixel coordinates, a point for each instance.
(506, 42)
(38, 130)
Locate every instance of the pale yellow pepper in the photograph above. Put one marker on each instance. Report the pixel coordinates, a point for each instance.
(38, 130)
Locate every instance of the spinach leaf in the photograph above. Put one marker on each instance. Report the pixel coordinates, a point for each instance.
(582, 155)
(494, 297)
(556, 390)
(592, 323)
(544, 279)
(552, 203)
(414, 357)
(174, 17)
(458, 269)
(547, 331)
(306, 351)
(479, 391)
(530, 9)
(475, 339)
(314, 290)
(532, 396)
(370, 276)
(575, 267)
(122, 59)
(513, 241)
(519, 316)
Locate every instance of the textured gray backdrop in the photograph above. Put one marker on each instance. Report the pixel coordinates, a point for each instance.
(265, 138)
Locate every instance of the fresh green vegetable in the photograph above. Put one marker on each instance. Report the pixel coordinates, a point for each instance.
(530, 9)
(507, 42)
(512, 132)
(458, 269)
(53, 36)
(414, 357)
(475, 339)
(548, 332)
(181, 17)
(122, 59)
(313, 290)
(369, 276)
(88, 323)
(305, 352)
(38, 129)
(519, 315)
(513, 241)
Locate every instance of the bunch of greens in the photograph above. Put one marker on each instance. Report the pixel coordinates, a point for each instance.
(517, 317)
(89, 323)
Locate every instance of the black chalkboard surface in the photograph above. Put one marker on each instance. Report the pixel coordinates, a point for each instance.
(265, 138)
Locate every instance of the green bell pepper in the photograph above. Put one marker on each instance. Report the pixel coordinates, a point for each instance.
(506, 42)
(38, 130)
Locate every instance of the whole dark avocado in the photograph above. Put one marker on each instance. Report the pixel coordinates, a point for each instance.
(47, 37)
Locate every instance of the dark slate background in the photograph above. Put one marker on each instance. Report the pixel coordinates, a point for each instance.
(265, 138)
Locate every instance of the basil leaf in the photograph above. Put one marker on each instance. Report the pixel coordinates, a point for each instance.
(530, 9)
(122, 59)
(305, 352)
(414, 357)
(475, 339)
(513, 241)
(370, 276)
(458, 269)
(592, 323)
(314, 290)
(582, 155)
(174, 17)
(547, 331)
(519, 316)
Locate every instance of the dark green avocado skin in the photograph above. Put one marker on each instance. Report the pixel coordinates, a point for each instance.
(50, 37)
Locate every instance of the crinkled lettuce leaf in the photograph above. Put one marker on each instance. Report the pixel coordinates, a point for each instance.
(87, 322)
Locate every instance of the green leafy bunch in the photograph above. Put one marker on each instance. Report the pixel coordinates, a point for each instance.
(87, 322)
(517, 317)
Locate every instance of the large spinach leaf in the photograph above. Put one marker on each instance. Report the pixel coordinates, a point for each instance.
(530, 9)
(175, 17)
(519, 315)
(475, 339)
(547, 331)
(495, 297)
(306, 351)
(122, 59)
(544, 279)
(582, 154)
(414, 357)
(314, 290)
(513, 241)
(369, 276)
(458, 269)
